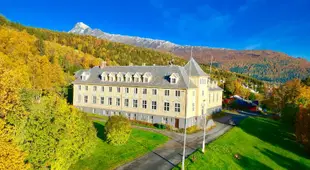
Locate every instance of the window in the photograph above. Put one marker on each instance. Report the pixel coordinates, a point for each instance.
(102, 88)
(85, 99)
(79, 98)
(135, 103)
(136, 91)
(193, 107)
(173, 80)
(177, 107)
(154, 91)
(193, 93)
(80, 87)
(118, 101)
(144, 91)
(118, 89)
(126, 90)
(213, 98)
(94, 88)
(146, 80)
(144, 104)
(128, 79)
(166, 92)
(110, 101)
(126, 102)
(154, 105)
(94, 99)
(86, 88)
(203, 93)
(102, 100)
(177, 93)
(166, 106)
(110, 89)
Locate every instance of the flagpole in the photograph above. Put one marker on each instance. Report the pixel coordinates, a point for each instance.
(185, 121)
(204, 115)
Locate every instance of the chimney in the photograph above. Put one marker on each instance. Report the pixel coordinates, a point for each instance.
(103, 64)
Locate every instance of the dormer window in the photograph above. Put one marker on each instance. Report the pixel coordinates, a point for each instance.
(128, 77)
(137, 78)
(174, 78)
(85, 75)
(112, 77)
(147, 77)
(120, 77)
(104, 76)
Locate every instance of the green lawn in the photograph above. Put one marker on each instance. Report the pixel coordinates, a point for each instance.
(261, 143)
(107, 156)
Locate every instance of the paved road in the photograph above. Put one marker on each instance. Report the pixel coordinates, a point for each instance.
(170, 154)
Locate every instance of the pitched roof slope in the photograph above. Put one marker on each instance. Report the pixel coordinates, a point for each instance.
(193, 69)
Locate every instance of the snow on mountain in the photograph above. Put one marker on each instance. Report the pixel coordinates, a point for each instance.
(83, 29)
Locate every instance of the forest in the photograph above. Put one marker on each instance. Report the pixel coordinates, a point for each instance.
(38, 128)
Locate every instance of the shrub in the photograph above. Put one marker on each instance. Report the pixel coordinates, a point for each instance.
(138, 122)
(160, 126)
(190, 130)
(117, 130)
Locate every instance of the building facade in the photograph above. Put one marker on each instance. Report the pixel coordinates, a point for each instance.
(155, 94)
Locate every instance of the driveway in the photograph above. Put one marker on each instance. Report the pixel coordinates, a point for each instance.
(170, 154)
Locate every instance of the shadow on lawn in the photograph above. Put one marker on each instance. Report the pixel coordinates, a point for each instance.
(282, 160)
(274, 133)
(249, 163)
(100, 131)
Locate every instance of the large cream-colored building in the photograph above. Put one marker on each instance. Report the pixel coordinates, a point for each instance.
(155, 94)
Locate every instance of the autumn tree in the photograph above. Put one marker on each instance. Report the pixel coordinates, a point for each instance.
(55, 135)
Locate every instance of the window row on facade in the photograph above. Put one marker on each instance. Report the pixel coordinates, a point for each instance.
(127, 103)
(127, 90)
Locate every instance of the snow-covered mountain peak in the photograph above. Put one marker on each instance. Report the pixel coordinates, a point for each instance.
(80, 28)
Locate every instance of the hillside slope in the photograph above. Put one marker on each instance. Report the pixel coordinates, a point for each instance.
(261, 64)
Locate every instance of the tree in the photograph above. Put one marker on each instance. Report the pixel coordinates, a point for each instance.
(252, 96)
(303, 127)
(11, 156)
(306, 81)
(55, 135)
(230, 86)
(117, 130)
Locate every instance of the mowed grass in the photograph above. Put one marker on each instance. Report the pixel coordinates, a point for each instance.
(261, 144)
(107, 156)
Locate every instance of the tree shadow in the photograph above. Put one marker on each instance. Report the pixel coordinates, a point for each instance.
(100, 131)
(249, 163)
(283, 161)
(274, 133)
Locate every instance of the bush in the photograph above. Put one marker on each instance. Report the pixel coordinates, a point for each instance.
(160, 126)
(117, 130)
(289, 112)
(190, 130)
(138, 122)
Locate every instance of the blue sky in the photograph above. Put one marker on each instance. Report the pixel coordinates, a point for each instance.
(279, 25)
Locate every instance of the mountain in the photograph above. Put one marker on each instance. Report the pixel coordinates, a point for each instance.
(265, 65)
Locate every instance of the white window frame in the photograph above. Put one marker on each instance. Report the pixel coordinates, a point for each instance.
(94, 88)
(135, 103)
(85, 99)
(118, 89)
(154, 91)
(177, 93)
(166, 106)
(193, 107)
(101, 100)
(110, 101)
(144, 104)
(135, 90)
(177, 107)
(144, 91)
(80, 87)
(118, 101)
(126, 102)
(167, 92)
(173, 81)
(154, 105)
(126, 90)
(110, 89)
(86, 88)
(94, 99)
(102, 88)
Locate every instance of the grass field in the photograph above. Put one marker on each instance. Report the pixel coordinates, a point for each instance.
(107, 156)
(261, 144)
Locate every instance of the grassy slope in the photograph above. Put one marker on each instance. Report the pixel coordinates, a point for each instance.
(109, 157)
(261, 143)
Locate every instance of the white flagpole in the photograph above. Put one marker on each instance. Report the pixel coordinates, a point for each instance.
(205, 114)
(185, 121)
